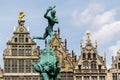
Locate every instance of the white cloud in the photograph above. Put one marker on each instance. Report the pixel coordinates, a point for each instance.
(93, 17)
(87, 16)
(113, 49)
(107, 32)
(99, 21)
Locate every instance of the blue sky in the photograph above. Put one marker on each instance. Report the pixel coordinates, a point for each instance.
(76, 17)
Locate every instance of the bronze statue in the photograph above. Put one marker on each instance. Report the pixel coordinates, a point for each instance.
(51, 22)
(47, 64)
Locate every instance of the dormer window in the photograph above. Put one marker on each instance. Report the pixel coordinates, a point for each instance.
(26, 40)
(94, 55)
(89, 56)
(93, 65)
(15, 40)
(84, 55)
(85, 65)
(21, 38)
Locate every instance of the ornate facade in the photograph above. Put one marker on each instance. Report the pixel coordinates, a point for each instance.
(90, 66)
(21, 51)
(1, 74)
(114, 72)
(65, 60)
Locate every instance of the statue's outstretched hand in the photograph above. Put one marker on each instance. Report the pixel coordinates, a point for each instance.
(51, 8)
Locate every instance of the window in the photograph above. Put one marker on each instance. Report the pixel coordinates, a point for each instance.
(84, 55)
(93, 65)
(28, 51)
(89, 56)
(118, 65)
(7, 78)
(14, 52)
(103, 78)
(7, 66)
(15, 39)
(94, 77)
(114, 76)
(86, 77)
(79, 67)
(119, 76)
(99, 67)
(28, 66)
(21, 38)
(35, 78)
(14, 66)
(14, 78)
(78, 78)
(85, 65)
(63, 76)
(26, 40)
(94, 55)
(21, 50)
(21, 65)
(70, 76)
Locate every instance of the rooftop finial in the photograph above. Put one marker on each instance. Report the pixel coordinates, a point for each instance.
(88, 34)
(58, 31)
(118, 50)
(81, 41)
(104, 54)
(96, 42)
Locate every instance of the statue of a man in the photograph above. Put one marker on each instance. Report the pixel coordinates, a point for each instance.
(51, 22)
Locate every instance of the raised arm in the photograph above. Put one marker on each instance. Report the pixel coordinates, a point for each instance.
(45, 15)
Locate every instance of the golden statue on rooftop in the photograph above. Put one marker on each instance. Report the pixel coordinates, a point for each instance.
(20, 17)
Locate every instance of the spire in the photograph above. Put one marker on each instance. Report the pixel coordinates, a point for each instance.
(88, 34)
(58, 31)
(96, 42)
(105, 58)
(65, 44)
(81, 41)
(28, 28)
(104, 54)
(14, 28)
(118, 51)
(88, 38)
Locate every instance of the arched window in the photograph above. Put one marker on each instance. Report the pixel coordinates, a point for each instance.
(85, 65)
(26, 39)
(84, 55)
(94, 55)
(89, 55)
(93, 65)
(15, 40)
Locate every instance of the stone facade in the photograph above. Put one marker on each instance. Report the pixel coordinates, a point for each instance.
(21, 51)
(90, 65)
(114, 71)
